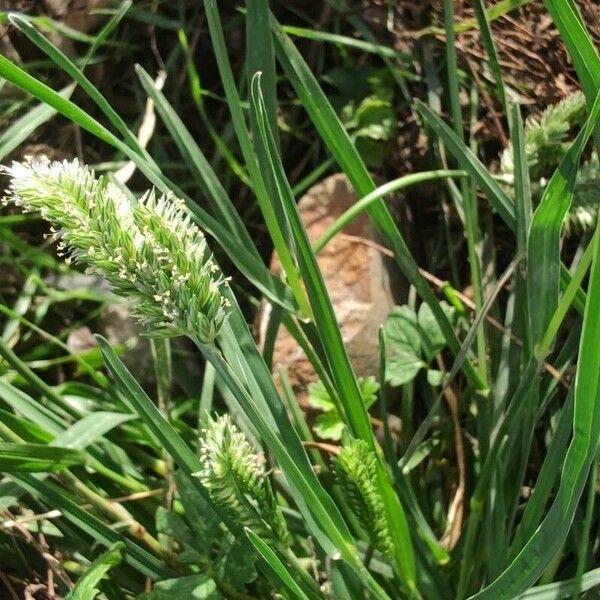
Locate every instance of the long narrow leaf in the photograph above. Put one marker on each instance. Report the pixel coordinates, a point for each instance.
(66, 64)
(37, 458)
(86, 589)
(331, 337)
(20, 130)
(336, 137)
(543, 281)
(275, 224)
(282, 574)
(542, 547)
(53, 496)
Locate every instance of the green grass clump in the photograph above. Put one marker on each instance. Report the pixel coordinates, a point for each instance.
(467, 469)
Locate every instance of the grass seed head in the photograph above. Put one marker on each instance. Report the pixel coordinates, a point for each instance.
(236, 480)
(356, 473)
(152, 253)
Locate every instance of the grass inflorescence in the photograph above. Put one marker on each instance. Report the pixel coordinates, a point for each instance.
(466, 469)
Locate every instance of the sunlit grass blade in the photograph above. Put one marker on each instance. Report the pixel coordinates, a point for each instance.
(523, 214)
(342, 40)
(20, 130)
(337, 140)
(283, 579)
(338, 361)
(37, 458)
(150, 415)
(568, 298)
(331, 338)
(578, 41)
(271, 210)
(107, 29)
(260, 57)
(490, 48)
(584, 543)
(544, 236)
(387, 188)
(563, 589)
(547, 476)
(65, 63)
(200, 168)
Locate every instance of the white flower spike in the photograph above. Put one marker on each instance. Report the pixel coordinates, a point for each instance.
(152, 253)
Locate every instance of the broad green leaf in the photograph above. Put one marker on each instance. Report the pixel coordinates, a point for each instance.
(401, 367)
(318, 396)
(432, 337)
(329, 426)
(412, 341)
(85, 588)
(37, 458)
(402, 330)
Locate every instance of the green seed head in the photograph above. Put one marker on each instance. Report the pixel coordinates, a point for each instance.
(356, 472)
(151, 253)
(236, 480)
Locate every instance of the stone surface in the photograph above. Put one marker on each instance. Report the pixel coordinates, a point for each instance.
(356, 278)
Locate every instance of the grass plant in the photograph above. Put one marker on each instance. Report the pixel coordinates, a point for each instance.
(489, 490)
